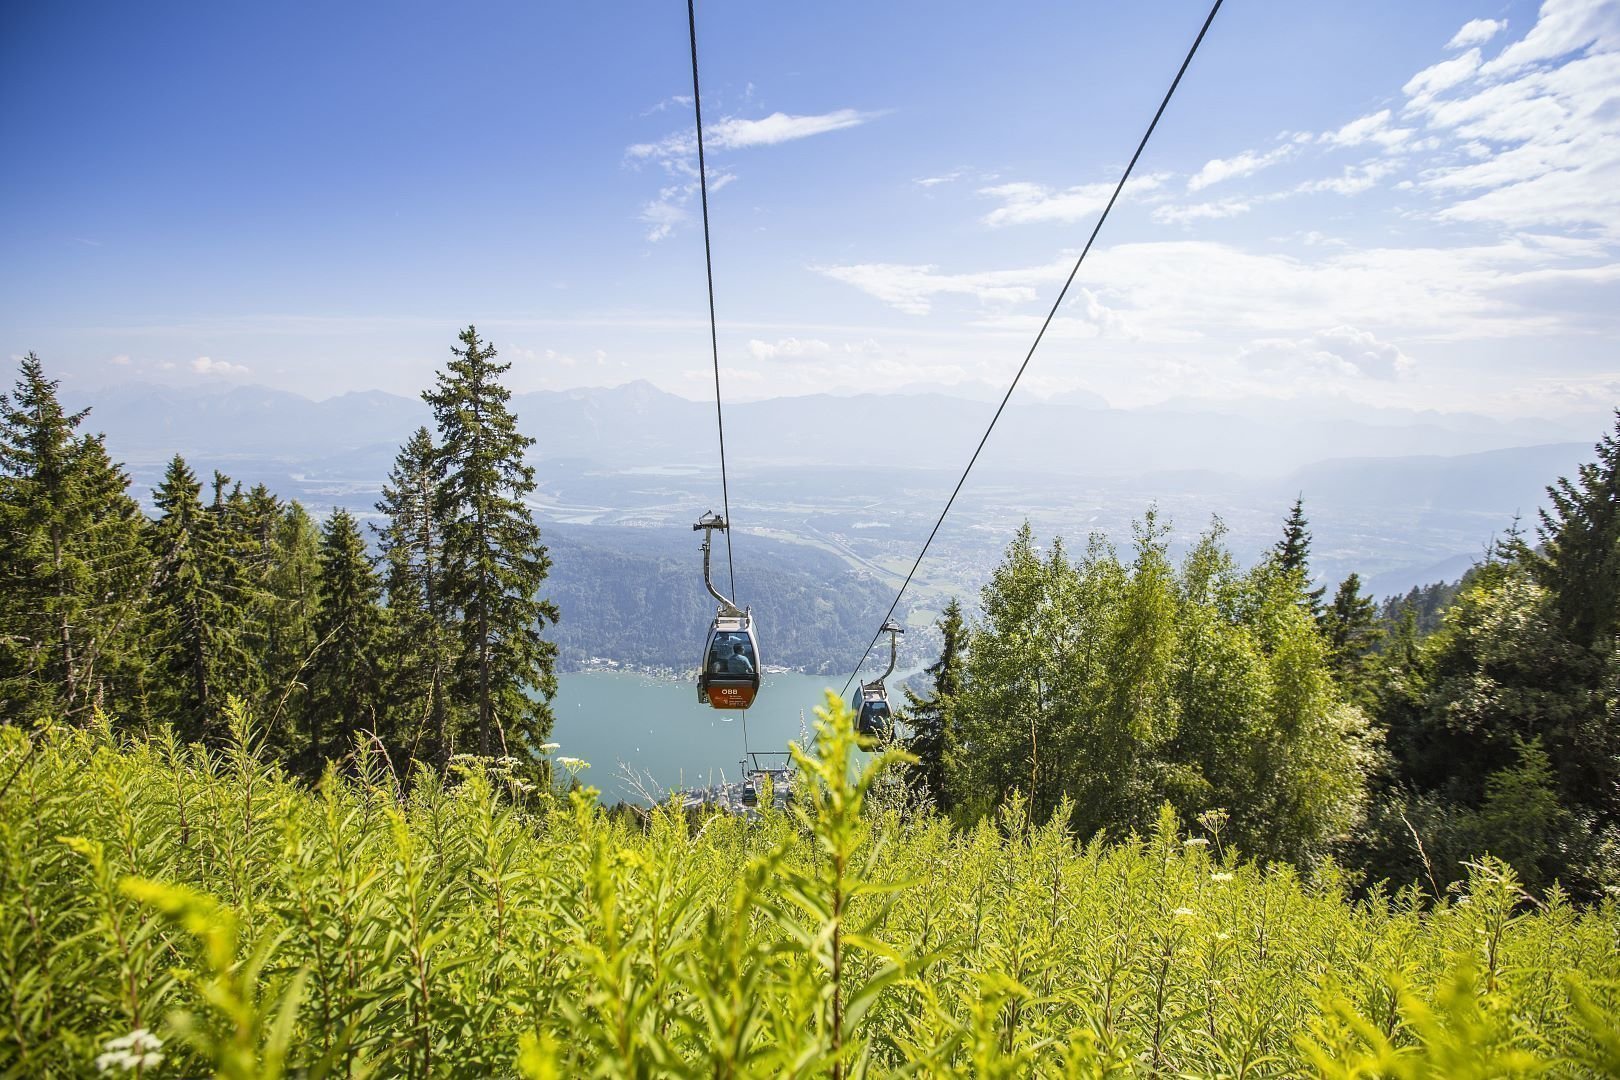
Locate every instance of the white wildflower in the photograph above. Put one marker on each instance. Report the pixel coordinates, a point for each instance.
(1185, 913)
(1220, 875)
(1195, 841)
(574, 764)
(137, 1050)
(548, 747)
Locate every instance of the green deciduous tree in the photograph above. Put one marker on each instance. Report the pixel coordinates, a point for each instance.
(1113, 688)
(494, 562)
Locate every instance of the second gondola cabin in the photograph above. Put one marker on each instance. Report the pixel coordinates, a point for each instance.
(870, 704)
(729, 675)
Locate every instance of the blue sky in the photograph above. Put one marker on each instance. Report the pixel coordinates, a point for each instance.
(1379, 204)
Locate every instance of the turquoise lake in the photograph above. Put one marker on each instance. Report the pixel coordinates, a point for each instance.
(658, 727)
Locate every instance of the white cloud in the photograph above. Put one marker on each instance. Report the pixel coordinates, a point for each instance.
(1191, 291)
(667, 213)
(787, 347)
(1371, 128)
(1476, 32)
(934, 181)
(205, 365)
(1025, 203)
(1245, 164)
(735, 133)
(1442, 76)
(1341, 350)
(1537, 141)
(911, 289)
(121, 360)
(1563, 27)
(1182, 215)
(676, 154)
(1352, 181)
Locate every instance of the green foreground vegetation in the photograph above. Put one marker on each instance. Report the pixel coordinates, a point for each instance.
(474, 926)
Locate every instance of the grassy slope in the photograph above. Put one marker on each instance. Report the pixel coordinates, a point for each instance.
(451, 930)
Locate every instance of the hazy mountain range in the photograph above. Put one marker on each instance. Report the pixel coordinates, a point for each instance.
(637, 424)
(1404, 498)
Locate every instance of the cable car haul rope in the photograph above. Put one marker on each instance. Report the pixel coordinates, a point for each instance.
(729, 672)
(888, 617)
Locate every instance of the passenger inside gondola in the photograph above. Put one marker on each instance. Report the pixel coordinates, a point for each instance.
(731, 655)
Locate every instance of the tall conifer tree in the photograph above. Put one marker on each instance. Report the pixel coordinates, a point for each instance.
(73, 573)
(493, 560)
(413, 565)
(1293, 554)
(1351, 627)
(346, 677)
(929, 714)
(193, 631)
(1580, 535)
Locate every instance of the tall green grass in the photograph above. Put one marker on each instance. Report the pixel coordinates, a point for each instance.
(469, 926)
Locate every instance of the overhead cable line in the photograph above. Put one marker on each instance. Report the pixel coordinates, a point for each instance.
(708, 265)
(1056, 304)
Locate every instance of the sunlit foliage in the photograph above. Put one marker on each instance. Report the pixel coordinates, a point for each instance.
(168, 901)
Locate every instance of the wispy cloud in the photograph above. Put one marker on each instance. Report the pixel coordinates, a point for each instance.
(734, 133)
(934, 181)
(1342, 350)
(912, 289)
(1245, 164)
(1208, 211)
(1374, 128)
(676, 154)
(1025, 203)
(206, 365)
(1476, 32)
(788, 348)
(1353, 180)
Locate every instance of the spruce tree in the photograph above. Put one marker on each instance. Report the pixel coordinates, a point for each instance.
(193, 631)
(1580, 534)
(494, 562)
(1351, 627)
(290, 588)
(346, 676)
(929, 715)
(1293, 554)
(72, 570)
(413, 563)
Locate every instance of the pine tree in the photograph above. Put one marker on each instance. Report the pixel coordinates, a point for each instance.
(929, 715)
(346, 676)
(413, 560)
(1580, 535)
(72, 570)
(1293, 554)
(290, 588)
(1351, 627)
(194, 633)
(493, 560)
